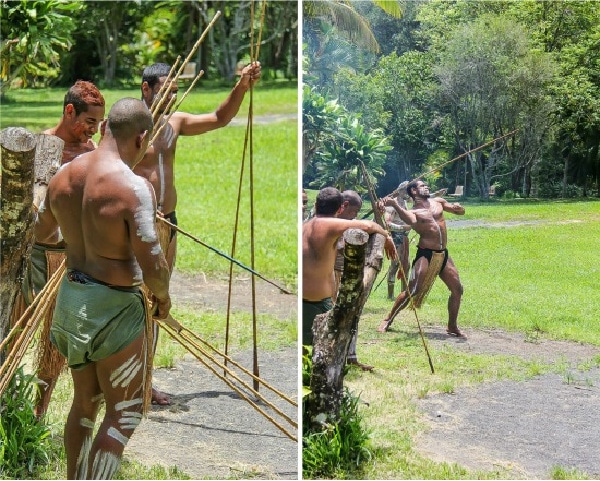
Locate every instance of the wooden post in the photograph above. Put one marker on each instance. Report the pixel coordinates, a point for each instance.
(373, 264)
(28, 163)
(16, 214)
(332, 333)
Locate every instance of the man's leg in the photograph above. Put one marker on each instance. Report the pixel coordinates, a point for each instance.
(80, 422)
(403, 257)
(403, 300)
(451, 278)
(120, 377)
(391, 279)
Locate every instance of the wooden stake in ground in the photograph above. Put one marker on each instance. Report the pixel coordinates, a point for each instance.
(28, 163)
(16, 214)
(332, 333)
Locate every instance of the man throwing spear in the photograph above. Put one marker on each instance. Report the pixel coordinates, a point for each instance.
(427, 219)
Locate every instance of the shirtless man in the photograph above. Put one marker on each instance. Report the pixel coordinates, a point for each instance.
(106, 215)
(157, 166)
(83, 110)
(319, 247)
(427, 219)
(399, 230)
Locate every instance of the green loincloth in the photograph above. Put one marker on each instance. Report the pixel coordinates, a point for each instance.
(93, 321)
(310, 309)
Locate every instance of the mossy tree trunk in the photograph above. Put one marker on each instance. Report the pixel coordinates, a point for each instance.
(373, 264)
(18, 153)
(27, 160)
(332, 333)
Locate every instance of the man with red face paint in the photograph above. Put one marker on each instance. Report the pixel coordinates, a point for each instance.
(83, 110)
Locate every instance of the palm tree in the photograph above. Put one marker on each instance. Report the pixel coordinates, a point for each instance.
(348, 21)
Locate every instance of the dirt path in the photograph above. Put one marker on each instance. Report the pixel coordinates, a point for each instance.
(522, 430)
(210, 432)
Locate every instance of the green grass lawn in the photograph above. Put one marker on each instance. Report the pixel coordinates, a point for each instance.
(208, 170)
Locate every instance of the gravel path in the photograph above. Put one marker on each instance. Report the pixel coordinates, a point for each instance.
(523, 430)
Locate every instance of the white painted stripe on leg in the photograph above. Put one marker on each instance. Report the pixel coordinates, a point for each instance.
(105, 465)
(125, 404)
(82, 464)
(130, 374)
(117, 435)
(87, 423)
(119, 371)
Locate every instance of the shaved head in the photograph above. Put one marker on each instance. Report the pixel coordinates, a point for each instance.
(129, 117)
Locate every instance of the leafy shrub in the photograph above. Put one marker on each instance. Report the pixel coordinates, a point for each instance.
(24, 440)
(340, 448)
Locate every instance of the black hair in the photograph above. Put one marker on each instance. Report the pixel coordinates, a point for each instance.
(352, 197)
(411, 185)
(154, 72)
(328, 201)
(129, 117)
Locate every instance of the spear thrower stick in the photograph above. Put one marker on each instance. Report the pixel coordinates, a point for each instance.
(222, 254)
(381, 221)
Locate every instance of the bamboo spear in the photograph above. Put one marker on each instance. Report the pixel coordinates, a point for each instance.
(482, 146)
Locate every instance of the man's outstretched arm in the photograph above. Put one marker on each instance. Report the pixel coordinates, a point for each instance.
(191, 124)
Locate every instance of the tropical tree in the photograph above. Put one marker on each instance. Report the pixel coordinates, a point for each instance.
(318, 119)
(34, 33)
(490, 83)
(338, 164)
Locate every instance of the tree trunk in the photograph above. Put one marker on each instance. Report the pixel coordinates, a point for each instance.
(28, 163)
(373, 264)
(332, 334)
(18, 152)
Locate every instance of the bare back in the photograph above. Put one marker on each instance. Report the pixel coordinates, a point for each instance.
(104, 209)
(319, 250)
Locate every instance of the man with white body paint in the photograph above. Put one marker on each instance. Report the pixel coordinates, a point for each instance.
(158, 164)
(106, 215)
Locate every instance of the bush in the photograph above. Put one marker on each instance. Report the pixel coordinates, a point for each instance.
(24, 440)
(340, 448)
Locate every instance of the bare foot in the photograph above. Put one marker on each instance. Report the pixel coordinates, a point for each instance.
(455, 332)
(160, 398)
(384, 326)
(364, 367)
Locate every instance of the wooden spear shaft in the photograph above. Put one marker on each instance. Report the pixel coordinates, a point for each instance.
(160, 97)
(483, 146)
(381, 221)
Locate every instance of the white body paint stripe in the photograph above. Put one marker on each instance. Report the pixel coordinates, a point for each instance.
(125, 404)
(105, 465)
(87, 423)
(116, 434)
(81, 466)
(119, 371)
